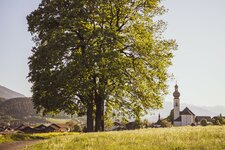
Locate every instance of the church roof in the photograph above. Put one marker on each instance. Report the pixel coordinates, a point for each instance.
(187, 111)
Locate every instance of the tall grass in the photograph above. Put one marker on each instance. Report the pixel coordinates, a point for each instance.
(176, 138)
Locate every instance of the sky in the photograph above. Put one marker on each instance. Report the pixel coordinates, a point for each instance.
(198, 26)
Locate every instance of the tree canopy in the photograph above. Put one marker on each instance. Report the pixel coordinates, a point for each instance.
(95, 57)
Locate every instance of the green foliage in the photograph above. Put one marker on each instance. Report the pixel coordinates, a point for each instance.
(108, 123)
(4, 139)
(219, 120)
(216, 122)
(21, 137)
(210, 137)
(146, 123)
(222, 121)
(137, 124)
(77, 128)
(100, 54)
(204, 122)
(16, 137)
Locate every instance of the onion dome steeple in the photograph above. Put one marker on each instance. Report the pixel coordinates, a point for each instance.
(176, 93)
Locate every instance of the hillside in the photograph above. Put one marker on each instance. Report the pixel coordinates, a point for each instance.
(18, 107)
(8, 94)
(2, 100)
(21, 109)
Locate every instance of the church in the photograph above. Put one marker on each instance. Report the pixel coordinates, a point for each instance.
(181, 118)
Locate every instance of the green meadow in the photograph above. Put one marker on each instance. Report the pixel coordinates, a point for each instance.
(175, 138)
(38, 136)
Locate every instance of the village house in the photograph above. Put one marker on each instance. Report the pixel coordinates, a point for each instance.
(198, 119)
(42, 128)
(60, 127)
(6, 129)
(25, 128)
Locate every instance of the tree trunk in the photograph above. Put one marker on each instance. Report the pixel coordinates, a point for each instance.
(90, 118)
(98, 115)
(102, 116)
(99, 120)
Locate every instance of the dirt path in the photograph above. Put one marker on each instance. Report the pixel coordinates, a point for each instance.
(17, 145)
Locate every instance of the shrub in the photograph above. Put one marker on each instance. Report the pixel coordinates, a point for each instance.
(219, 120)
(133, 125)
(165, 123)
(77, 128)
(146, 123)
(223, 121)
(84, 129)
(204, 122)
(216, 122)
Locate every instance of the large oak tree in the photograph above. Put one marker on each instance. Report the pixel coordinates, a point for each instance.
(96, 56)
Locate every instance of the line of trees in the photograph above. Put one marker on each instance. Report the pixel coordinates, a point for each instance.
(97, 57)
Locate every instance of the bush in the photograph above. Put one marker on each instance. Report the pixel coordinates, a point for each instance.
(216, 122)
(133, 125)
(222, 121)
(204, 122)
(77, 128)
(146, 123)
(193, 124)
(84, 129)
(219, 120)
(165, 123)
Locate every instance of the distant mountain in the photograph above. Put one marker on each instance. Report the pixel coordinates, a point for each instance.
(216, 109)
(8, 94)
(197, 110)
(18, 107)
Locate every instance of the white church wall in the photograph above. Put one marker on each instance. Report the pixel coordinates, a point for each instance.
(187, 120)
(176, 108)
(177, 123)
(192, 119)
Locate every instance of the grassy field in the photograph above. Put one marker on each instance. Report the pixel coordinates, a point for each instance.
(21, 137)
(176, 138)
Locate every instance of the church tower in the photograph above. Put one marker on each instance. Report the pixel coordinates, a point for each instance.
(176, 103)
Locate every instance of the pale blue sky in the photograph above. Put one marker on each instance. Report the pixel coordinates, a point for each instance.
(198, 65)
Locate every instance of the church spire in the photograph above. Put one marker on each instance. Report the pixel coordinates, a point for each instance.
(176, 93)
(176, 101)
